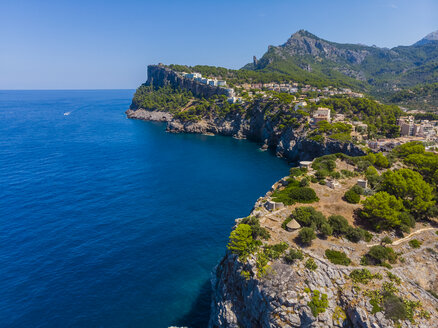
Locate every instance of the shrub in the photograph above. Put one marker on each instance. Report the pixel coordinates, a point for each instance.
(294, 254)
(257, 230)
(394, 307)
(311, 265)
(297, 171)
(319, 303)
(348, 174)
(339, 224)
(245, 274)
(262, 264)
(337, 257)
(306, 235)
(321, 174)
(303, 195)
(293, 193)
(354, 234)
(326, 230)
(304, 182)
(394, 278)
(366, 235)
(352, 197)
(306, 216)
(415, 243)
(386, 240)
(378, 255)
(357, 189)
(363, 276)
(241, 242)
(275, 251)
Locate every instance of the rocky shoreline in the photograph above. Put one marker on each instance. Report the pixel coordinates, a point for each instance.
(279, 299)
(290, 144)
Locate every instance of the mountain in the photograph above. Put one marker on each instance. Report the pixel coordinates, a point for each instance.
(308, 58)
(430, 38)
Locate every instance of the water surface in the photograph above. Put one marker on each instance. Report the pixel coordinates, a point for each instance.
(110, 222)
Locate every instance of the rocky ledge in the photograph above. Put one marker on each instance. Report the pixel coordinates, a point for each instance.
(281, 298)
(289, 143)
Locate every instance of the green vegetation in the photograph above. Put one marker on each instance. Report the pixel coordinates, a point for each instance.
(294, 193)
(410, 187)
(363, 276)
(379, 255)
(241, 242)
(165, 99)
(319, 303)
(386, 240)
(415, 243)
(381, 119)
(337, 257)
(340, 227)
(339, 224)
(310, 264)
(306, 235)
(383, 210)
(404, 195)
(394, 307)
(245, 274)
(339, 315)
(292, 255)
(338, 131)
(257, 231)
(394, 278)
(423, 96)
(233, 76)
(297, 171)
(274, 252)
(268, 253)
(352, 197)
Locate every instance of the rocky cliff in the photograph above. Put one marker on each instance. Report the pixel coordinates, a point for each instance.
(254, 124)
(281, 298)
(159, 75)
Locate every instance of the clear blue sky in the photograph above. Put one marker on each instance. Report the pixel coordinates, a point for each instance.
(85, 44)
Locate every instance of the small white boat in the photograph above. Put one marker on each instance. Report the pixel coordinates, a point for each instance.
(67, 113)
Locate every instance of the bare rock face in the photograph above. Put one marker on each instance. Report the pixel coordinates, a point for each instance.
(280, 298)
(160, 76)
(305, 43)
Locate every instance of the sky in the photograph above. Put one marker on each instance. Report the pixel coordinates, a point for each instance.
(106, 44)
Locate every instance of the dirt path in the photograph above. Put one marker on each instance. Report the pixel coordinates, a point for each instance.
(399, 241)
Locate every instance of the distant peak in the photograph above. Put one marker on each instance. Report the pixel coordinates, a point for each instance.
(431, 37)
(303, 33)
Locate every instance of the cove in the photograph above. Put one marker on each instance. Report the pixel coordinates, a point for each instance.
(110, 222)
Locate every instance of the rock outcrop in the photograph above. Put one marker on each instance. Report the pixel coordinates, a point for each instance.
(255, 125)
(281, 298)
(159, 75)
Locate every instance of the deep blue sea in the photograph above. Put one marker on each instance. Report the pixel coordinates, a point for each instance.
(110, 222)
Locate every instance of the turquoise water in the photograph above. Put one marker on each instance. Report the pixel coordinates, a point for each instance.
(110, 222)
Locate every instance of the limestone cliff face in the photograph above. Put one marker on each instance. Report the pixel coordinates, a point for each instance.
(160, 76)
(280, 299)
(289, 143)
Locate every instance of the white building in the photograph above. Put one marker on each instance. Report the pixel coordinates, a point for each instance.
(221, 83)
(192, 75)
(321, 114)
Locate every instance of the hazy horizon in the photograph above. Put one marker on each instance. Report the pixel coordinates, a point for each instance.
(100, 45)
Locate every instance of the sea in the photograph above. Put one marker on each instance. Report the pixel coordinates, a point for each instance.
(112, 222)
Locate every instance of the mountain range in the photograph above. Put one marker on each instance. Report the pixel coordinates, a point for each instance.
(378, 71)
